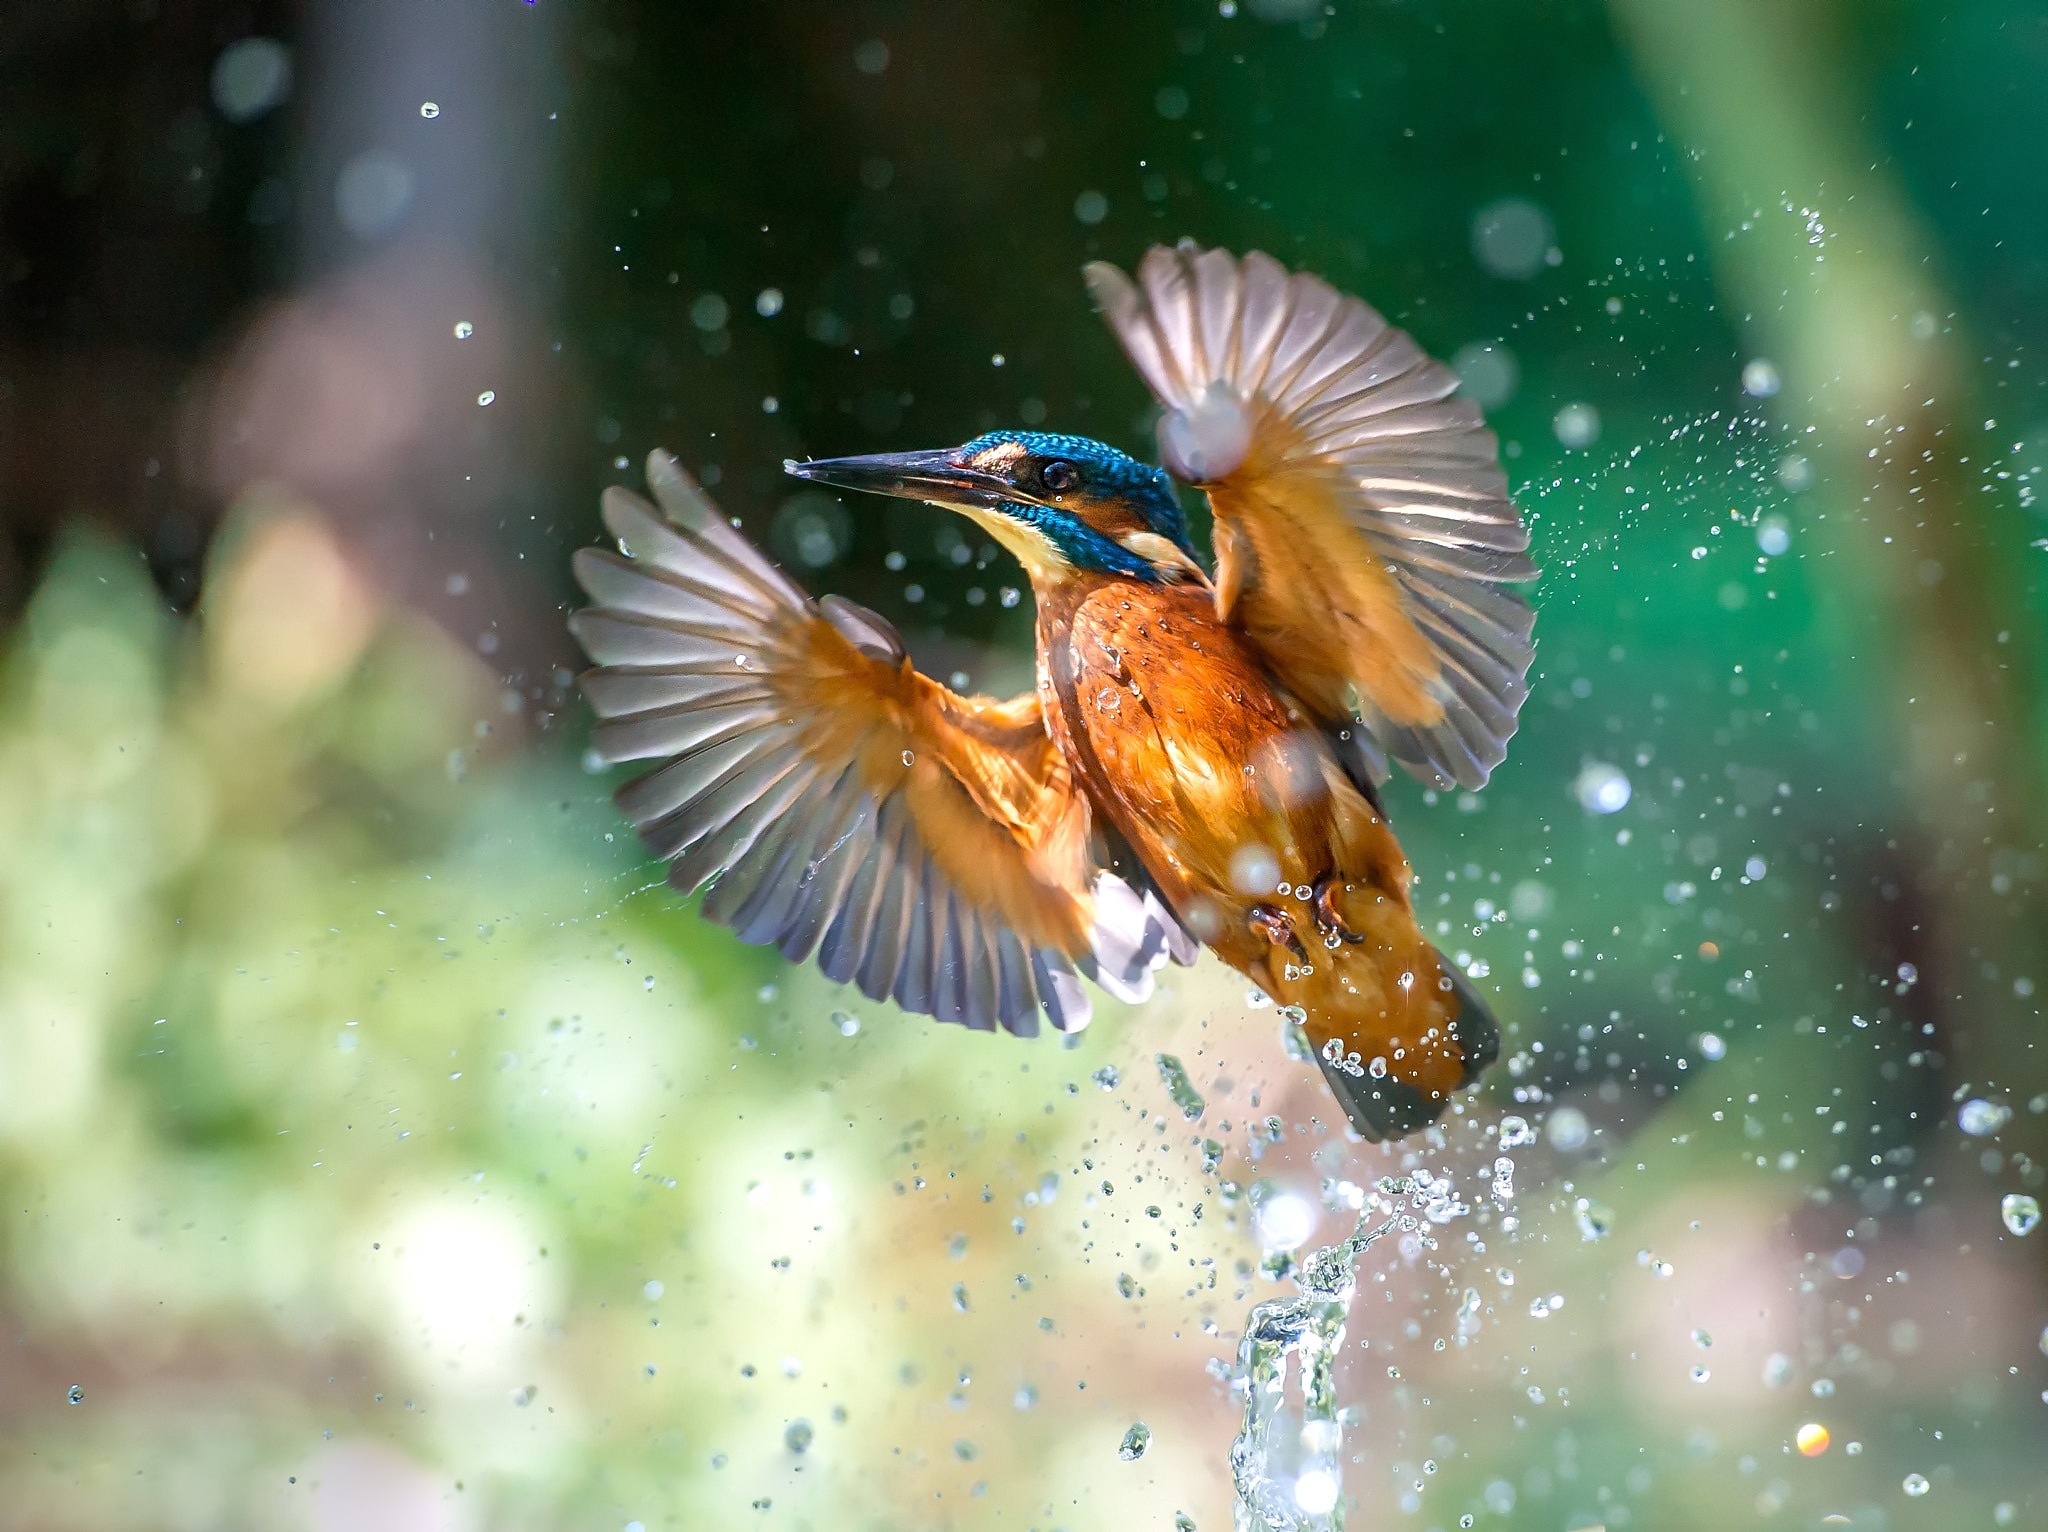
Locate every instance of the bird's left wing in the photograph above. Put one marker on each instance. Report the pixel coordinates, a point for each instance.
(1364, 534)
(926, 846)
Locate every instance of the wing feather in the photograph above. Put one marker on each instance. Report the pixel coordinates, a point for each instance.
(845, 842)
(829, 800)
(1019, 1008)
(734, 815)
(1365, 535)
(846, 937)
(892, 927)
(914, 985)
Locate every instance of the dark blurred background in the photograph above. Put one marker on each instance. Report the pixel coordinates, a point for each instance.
(322, 326)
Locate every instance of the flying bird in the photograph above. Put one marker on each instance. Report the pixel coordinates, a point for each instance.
(1199, 762)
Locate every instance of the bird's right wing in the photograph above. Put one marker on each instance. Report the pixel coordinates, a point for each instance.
(928, 847)
(1364, 534)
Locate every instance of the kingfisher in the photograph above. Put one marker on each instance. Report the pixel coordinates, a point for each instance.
(1199, 763)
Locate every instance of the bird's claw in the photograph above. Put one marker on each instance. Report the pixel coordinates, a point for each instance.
(1273, 924)
(1328, 920)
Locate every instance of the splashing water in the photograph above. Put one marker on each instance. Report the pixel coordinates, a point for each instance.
(1290, 1477)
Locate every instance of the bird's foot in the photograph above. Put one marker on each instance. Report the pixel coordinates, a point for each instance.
(1329, 921)
(1273, 924)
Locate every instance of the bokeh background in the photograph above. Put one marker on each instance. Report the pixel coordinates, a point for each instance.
(383, 1147)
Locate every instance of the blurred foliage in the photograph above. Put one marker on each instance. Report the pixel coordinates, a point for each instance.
(385, 1147)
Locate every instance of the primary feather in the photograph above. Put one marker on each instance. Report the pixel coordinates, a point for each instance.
(1364, 532)
(831, 801)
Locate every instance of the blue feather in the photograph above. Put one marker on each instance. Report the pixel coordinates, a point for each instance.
(1105, 474)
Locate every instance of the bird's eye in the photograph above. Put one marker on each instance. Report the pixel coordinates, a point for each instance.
(1058, 475)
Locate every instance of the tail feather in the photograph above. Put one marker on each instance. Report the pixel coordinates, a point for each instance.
(1386, 1108)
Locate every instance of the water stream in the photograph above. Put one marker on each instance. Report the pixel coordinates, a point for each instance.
(1286, 1461)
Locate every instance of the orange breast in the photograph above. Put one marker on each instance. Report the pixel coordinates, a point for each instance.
(1237, 806)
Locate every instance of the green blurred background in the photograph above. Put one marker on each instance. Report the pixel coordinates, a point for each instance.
(384, 1147)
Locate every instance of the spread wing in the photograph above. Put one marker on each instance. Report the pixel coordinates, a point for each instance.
(928, 847)
(1364, 532)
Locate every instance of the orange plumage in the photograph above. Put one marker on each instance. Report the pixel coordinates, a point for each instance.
(1198, 764)
(1227, 794)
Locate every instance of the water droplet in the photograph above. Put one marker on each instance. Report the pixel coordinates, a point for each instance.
(1602, 788)
(464, 329)
(847, 1023)
(1316, 1492)
(2022, 1214)
(430, 110)
(1503, 1179)
(1179, 1087)
(796, 1436)
(1135, 1441)
(487, 398)
(1511, 238)
(1596, 1220)
(1108, 699)
(1980, 1118)
(1567, 1128)
(1107, 1077)
(1713, 1046)
(1577, 425)
(709, 312)
(1701, 1339)
(1294, 1038)
(1515, 1132)
(1915, 1485)
(1285, 1221)
(910, 757)
(250, 77)
(75, 1394)
(1812, 1439)
(1700, 1374)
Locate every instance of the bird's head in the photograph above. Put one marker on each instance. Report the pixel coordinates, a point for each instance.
(1064, 505)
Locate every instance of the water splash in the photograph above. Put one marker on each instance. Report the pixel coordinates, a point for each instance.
(1287, 1468)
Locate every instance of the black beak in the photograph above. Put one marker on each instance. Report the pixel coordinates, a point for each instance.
(933, 476)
